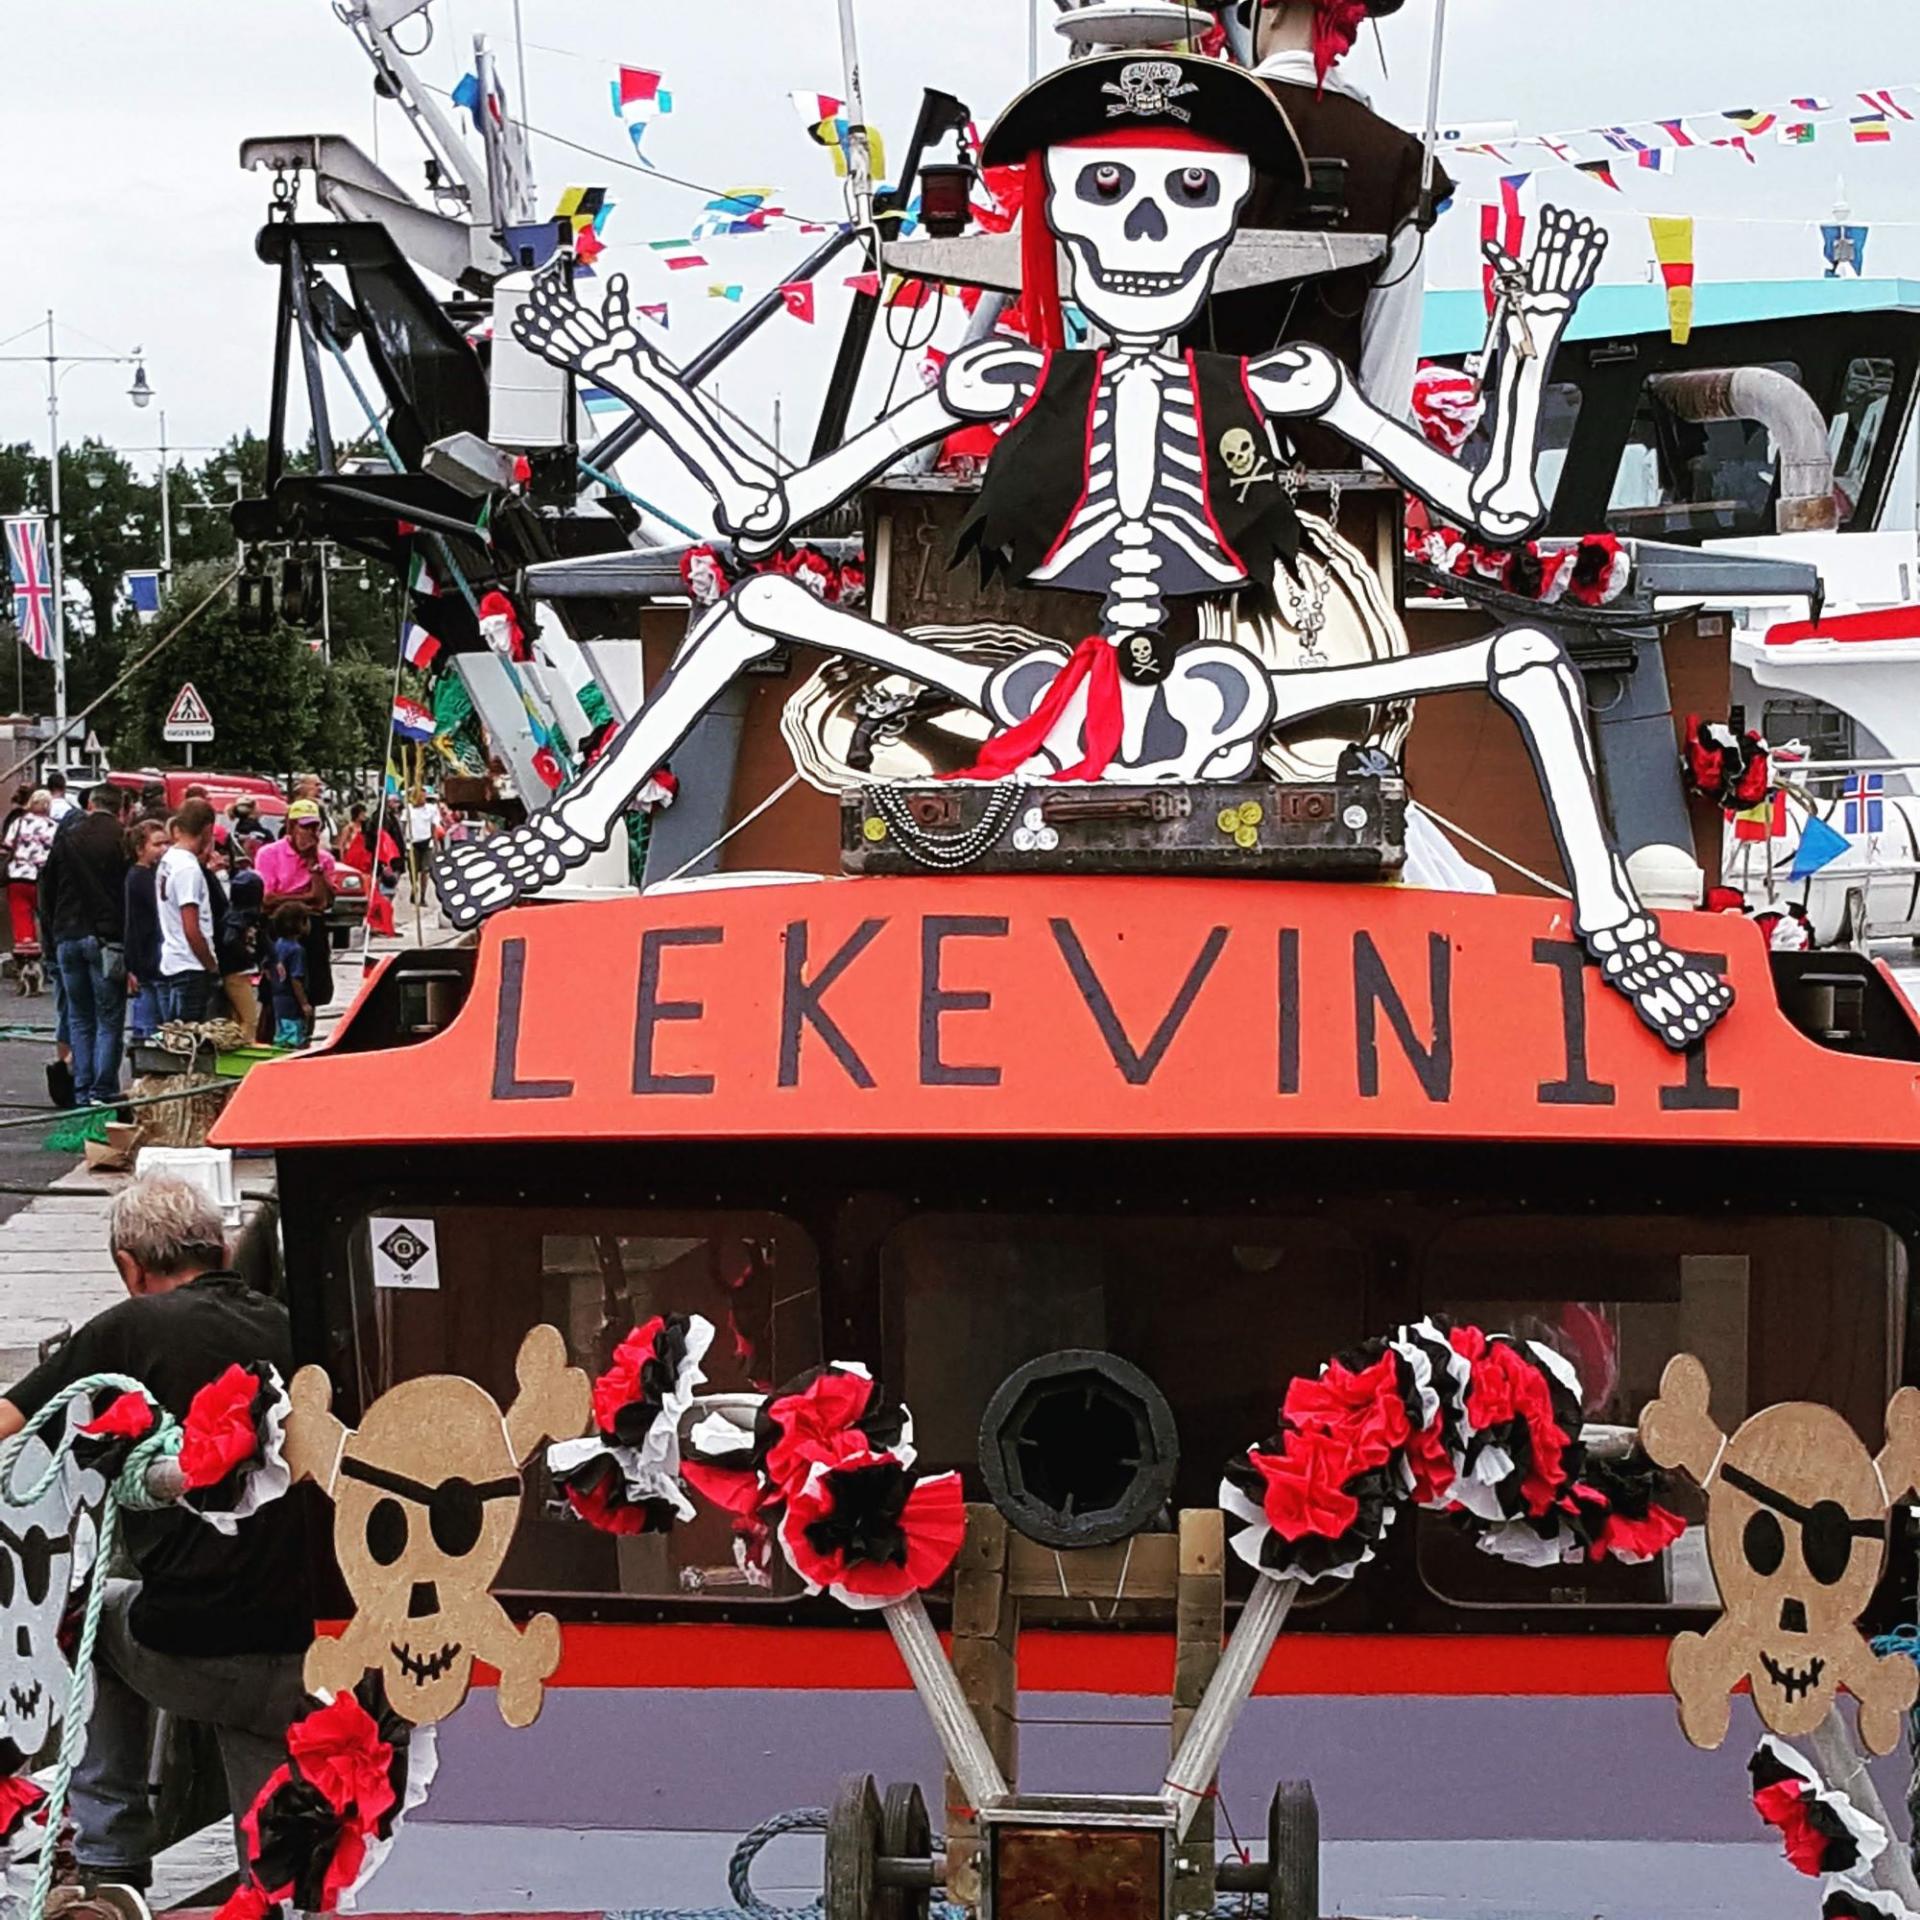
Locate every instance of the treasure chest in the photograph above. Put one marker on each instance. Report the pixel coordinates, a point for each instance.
(1352, 826)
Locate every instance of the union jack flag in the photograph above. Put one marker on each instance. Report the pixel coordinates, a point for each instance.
(32, 582)
(1863, 804)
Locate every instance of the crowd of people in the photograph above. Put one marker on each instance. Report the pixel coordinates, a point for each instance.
(143, 915)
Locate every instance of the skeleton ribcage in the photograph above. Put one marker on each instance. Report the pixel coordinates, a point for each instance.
(1142, 534)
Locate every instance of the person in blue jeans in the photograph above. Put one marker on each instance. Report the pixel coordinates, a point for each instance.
(147, 842)
(82, 912)
(188, 967)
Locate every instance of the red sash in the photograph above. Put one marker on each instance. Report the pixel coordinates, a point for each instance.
(1093, 661)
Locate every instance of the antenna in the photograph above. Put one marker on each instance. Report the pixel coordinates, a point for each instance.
(1430, 141)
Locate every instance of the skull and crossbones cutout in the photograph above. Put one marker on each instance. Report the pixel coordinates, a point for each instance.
(426, 1495)
(1796, 1534)
(1148, 88)
(1246, 465)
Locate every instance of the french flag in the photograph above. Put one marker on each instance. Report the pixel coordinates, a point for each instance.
(418, 647)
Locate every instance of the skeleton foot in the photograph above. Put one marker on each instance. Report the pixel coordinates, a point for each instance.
(1676, 998)
(536, 1653)
(475, 880)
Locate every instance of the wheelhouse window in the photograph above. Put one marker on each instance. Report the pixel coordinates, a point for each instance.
(1783, 1307)
(1853, 434)
(595, 1276)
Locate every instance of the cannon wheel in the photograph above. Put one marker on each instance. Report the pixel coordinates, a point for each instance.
(905, 1834)
(853, 1844)
(1293, 1853)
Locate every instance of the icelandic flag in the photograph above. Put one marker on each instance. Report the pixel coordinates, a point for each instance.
(412, 721)
(1864, 809)
(418, 647)
(32, 582)
(1819, 847)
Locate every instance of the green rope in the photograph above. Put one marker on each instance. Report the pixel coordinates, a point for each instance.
(128, 1490)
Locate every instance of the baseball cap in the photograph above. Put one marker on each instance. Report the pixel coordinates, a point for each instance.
(303, 810)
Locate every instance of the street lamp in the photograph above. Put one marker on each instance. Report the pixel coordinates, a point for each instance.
(140, 393)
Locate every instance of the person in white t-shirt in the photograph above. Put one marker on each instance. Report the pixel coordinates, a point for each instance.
(188, 969)
(61, 806)
(423, 829)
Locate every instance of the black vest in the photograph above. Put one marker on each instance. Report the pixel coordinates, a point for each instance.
(1038, 472)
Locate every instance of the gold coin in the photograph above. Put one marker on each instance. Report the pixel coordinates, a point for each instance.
(1228, 820)
(1245, 837)
(874, 827)
(1249, 812)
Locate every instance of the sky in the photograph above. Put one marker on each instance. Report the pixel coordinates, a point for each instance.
(126, 212)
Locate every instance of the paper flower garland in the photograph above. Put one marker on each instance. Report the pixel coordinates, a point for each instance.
(324, 1821)
(828, 1465)
(625, 1476)
(1822, 1830)
(705, 575)
(1479, 1426)
(1591, 571)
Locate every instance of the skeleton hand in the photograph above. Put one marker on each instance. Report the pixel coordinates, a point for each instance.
(1541, 294)
(554, 323)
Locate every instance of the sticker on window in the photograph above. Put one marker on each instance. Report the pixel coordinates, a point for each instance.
(404, 1254)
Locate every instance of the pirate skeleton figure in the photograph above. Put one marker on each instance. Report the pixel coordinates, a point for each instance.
(1135, 473)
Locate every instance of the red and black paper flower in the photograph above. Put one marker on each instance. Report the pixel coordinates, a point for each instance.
(20, 1801)
(870, 1530)
(324, 1820)
(1485, 1428)
(625, 1476)
(1822, 1830)
(233, 1445)
(105, 1441)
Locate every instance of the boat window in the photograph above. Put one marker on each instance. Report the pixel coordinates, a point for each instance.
(1783, 1307)
(1679, 478)
(596, 1275)
(1218, 1311)
(1854, 432)
(1825, 732)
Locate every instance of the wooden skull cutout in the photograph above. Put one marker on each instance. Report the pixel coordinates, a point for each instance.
(426, 1495)
(1796, 1533)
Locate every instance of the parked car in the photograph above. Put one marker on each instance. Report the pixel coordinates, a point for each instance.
(223, 789)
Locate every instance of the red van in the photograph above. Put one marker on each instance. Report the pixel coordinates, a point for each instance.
(223, 789)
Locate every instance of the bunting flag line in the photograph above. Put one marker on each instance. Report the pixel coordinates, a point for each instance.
(738, 210)
(1673, 249)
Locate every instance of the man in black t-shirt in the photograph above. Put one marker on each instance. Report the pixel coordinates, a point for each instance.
(216, 1626)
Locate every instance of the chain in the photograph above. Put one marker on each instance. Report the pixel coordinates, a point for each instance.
(948, 850)
(286, 194)
(1307, 598)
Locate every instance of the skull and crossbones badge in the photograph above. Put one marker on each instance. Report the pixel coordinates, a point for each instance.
(1148, 88)
(1247, 467)
(426, 1495)
(1796, 1534)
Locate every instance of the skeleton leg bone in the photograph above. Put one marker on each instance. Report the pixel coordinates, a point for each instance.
(755, 618)
(1527, 672)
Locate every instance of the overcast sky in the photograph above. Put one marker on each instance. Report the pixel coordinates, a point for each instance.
(125, 211)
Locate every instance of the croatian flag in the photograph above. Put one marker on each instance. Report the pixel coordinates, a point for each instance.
(412, 721)
(32, 582)
(1865, 810)
(418, 647)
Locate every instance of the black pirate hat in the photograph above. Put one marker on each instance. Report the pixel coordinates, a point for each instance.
(1156, 96)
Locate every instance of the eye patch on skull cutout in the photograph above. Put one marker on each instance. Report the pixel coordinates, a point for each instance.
(1796, 1536)
(426, 1494)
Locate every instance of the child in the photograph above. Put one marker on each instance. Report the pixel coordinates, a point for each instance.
(285, 975)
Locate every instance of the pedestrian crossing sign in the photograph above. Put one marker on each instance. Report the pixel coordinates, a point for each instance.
(189, 722)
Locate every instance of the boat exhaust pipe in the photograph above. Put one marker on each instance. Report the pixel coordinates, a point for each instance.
(1785, 408)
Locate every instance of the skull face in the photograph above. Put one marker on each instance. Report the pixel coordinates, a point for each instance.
(1144, 228)
(1238, 450)
(425, 1504)
(38, 1566)
(1796, 1532)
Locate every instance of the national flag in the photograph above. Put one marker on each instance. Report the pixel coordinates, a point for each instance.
(32, 582)
(1819, 847)
(1558, 148)
(418, 647)
(420, 575)
(1798, 133)
(797, 296)
(1882, 101)
(1766, 821)
(1811, 104)
(411, 720)
(1749, 119)
(1870, 129)
(1620, 139)
(1657, 160)
(678, 255)
(1601, 170)
(1864, 808)
(1676, 131)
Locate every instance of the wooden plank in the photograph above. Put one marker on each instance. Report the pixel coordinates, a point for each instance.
(1203, 1540)
(1143, 1568)
(985, 1546)
(979, 1600)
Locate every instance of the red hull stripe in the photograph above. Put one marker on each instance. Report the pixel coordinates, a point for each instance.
(854, 1659)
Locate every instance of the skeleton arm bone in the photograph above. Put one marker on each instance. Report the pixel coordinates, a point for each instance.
(984, 381)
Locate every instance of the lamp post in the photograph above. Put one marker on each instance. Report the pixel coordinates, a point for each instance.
(56, 364)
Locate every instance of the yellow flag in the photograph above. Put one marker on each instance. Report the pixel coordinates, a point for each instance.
(1673, 248)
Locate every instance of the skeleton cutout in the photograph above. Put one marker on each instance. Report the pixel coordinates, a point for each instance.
(1796, 1534)
(426, 1495)
(1146, 162)
(46, 1549)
